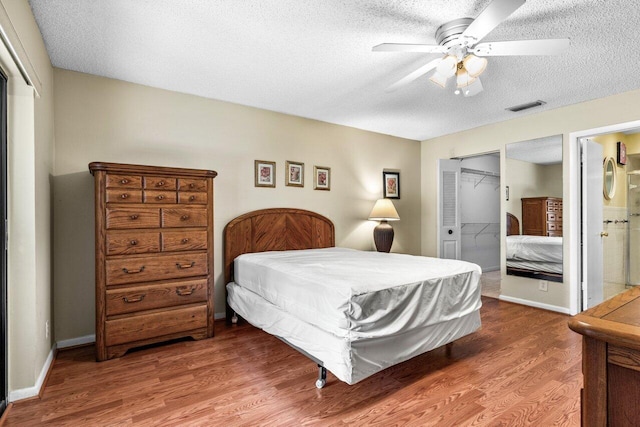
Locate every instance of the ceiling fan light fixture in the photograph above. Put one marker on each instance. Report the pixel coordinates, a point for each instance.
(474, 65)
(447, 67)
(463, 78)
(439, 79)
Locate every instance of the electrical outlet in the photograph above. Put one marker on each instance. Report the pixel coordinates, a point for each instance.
(47, 329)
(543, 285)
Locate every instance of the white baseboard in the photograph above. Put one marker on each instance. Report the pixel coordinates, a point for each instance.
(25, 393)
(87, 339)
(563, 310)
(218, 316)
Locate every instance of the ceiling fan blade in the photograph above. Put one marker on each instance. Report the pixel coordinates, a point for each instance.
(522, 47)
(490, 18)
(414, 75)
(404, 47)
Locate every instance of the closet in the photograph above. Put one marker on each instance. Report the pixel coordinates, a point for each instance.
(480, 210)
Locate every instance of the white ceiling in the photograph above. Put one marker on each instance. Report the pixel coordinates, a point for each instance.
(543, 151)
(313, 58)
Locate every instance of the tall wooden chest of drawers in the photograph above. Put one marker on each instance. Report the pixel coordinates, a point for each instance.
(542, 216)
(154, 255)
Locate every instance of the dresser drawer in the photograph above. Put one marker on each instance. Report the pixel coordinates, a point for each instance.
(123, 195)
(124, 181)
(183, 240)
(159, 183)
(148, 297)
(187, 184)
(132, 242)
(157, 267)
(141, 327)
(192, 198)
(120, 218)
(152, 196)
(184, 217)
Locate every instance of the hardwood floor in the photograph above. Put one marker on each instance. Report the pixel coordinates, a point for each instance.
(522, 368)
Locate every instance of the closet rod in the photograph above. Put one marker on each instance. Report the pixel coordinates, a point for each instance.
(479, 172)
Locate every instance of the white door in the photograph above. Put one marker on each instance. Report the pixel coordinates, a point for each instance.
(592, 227)
(449, 235)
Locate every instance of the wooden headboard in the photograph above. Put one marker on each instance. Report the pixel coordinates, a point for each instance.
(513, 225)
(277, 229)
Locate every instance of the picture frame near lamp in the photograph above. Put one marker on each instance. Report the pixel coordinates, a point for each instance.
(391, 184)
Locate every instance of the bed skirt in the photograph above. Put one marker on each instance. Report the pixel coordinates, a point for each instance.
(349, 360)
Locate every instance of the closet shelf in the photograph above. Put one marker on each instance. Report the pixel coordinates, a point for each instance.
(478, 228)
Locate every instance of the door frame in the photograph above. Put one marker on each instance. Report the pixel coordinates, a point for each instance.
(575, 216)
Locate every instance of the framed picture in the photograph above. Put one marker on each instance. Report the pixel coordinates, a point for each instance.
(294, 175)
(391, 185)
(321, 178)
(622, 153)
(265, 173)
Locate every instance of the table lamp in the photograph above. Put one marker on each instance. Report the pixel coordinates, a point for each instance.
(383, 211)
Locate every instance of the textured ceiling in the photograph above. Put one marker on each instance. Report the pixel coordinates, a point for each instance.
(313, 58)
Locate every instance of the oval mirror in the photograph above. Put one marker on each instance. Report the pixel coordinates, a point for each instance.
(609, 189)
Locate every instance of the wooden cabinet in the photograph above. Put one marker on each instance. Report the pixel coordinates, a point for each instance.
(542, 216)
(611, 361)
(154, 255)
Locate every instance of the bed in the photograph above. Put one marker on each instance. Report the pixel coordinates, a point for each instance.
(538, 257)
(352, 312)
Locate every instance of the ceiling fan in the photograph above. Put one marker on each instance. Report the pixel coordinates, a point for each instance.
(464, 56)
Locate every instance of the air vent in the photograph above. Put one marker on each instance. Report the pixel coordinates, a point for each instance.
(526, 106)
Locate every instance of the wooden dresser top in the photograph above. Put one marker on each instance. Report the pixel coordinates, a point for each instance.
(616, 321)
(156, 170)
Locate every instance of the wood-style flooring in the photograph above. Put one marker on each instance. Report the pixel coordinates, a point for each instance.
(522, 368)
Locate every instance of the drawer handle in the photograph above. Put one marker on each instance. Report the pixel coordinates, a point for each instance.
(134, 217)
(124, 196)
(129, 301)
(192, 185)
(185, 240)
(133, 242)
(192, 198)
(160, 184)
(185, 292)
(124, 181)
(185, 266)
(160, 197)
(127, 271)
(184, 217)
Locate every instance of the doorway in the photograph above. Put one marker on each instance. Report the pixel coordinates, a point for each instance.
(585, 263)
(3, 250)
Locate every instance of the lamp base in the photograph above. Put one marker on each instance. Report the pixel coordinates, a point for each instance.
(383, 236)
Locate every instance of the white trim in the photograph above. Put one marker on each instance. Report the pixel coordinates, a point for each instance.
(575, 293)
(87, 339)
(563, 310)
(25, 393)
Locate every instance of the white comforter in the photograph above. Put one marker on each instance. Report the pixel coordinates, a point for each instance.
(535, 248)
(357, 294)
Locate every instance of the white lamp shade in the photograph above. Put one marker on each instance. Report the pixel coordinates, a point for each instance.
(447, 67)
(474, 65)
(463, 78)
(439, 79)
(384, 210)
(474, 88)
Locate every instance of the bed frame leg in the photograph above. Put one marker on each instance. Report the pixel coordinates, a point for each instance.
(447, 349)
(234, 318)
(322, 376)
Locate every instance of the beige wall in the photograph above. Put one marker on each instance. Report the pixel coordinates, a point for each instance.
(99, 119)
(30, 146)
(583, 116)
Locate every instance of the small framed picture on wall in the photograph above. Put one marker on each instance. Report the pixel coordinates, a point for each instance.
(391, 182)
(321, 178)
(265, 173)
(622, 153)
(294, 175)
